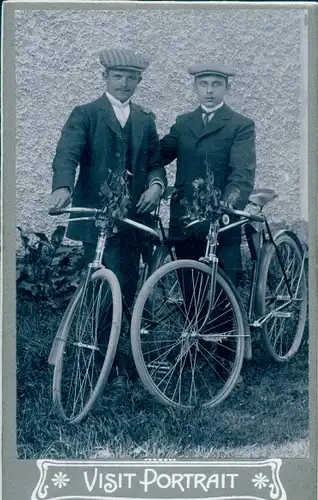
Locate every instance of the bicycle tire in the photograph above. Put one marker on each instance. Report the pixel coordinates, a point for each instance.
(63, 342)
(136, 331)
(267, 273)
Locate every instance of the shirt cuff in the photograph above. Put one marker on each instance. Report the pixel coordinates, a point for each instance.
(66, 187)
(156, 180)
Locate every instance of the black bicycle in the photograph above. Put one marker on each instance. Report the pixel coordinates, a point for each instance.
(190, 330)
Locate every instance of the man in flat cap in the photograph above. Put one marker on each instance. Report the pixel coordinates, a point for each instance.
(111, 135)
(222, 140)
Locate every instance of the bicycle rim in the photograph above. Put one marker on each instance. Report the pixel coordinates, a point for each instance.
(87, 344)
(184, 359)
(283, 331)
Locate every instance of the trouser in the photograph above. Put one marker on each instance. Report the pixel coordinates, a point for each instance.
(122, 256)
(229, 255)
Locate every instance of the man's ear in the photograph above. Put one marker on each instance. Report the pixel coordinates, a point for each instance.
(104, 74)
(139, 79)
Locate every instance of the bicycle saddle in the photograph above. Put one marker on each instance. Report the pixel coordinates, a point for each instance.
(262, 196)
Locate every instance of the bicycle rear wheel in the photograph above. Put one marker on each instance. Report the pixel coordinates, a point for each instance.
(283, 331)
(86, 344)
(187, 353)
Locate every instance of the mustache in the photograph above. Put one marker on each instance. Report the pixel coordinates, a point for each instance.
(123, 88)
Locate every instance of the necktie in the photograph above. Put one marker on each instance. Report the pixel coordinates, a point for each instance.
(206, 116)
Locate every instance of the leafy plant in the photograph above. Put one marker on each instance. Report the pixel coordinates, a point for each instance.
(205, 198)
(115, 198)
(47, 271)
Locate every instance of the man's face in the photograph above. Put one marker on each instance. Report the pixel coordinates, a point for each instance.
(210, 89)
(121, 83)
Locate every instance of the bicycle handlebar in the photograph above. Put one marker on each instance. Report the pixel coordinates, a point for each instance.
(231, 211)
(168, 192)
(242, 213)
(74, 210)
(95, 211)
(147, 229)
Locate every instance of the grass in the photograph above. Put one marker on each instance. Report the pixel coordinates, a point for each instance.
(267, 416)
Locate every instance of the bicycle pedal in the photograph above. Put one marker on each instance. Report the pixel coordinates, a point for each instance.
(284, 298)
(281, 314)
(174, 300)
(144, 331)
(162, 367)
(86, 346)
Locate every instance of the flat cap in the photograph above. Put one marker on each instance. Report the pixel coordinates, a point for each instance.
(123, 59)
(211, 68)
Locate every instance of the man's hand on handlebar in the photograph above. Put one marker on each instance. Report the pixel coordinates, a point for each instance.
(149, 199)
(227, 204)
(60, 198)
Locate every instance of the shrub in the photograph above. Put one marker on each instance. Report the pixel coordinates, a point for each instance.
(47, 271)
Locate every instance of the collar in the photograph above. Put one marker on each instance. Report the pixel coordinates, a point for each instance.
(115, 102)
(212, 110)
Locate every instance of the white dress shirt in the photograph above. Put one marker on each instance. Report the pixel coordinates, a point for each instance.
(211, 110)
(122, 112)
(121, 109)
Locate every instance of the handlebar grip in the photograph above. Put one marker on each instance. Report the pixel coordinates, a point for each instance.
(257, 218)
(55, 211)
(241, 213)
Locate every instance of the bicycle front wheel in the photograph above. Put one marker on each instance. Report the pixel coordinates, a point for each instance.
(284, 315)
(86, 344)
(188, 351)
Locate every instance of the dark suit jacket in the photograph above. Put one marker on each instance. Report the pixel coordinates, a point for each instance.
(92, 137)
(226, 145)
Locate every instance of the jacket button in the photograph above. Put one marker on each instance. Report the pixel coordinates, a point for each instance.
(118, 155)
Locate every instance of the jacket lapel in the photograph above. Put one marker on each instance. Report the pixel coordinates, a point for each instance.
(218, 121)
(138, 121)
(109, 115)
(195, 122)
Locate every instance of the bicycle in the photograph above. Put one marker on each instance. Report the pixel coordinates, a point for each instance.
(82, 364)
(189, 346)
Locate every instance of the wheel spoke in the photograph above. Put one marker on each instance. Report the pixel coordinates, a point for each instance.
(286, 315)
(178, 364)
(88, 329)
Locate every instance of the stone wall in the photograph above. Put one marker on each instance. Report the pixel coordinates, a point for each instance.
(57, 68)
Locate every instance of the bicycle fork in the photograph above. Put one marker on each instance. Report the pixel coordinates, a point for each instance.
(212, 261)
(97, 261)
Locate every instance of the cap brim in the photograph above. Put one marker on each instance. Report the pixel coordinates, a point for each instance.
(127, 68)
(213, 73)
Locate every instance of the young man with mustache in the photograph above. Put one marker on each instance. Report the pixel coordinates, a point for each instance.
(111, 135)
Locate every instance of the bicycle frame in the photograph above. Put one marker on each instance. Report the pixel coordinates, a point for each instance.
(257, 231)
(94, 214)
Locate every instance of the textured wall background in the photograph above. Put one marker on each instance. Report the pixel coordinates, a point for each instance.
(57, 68)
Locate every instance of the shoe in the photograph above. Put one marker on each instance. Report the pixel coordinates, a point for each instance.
(240, 381)
(119, 384)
